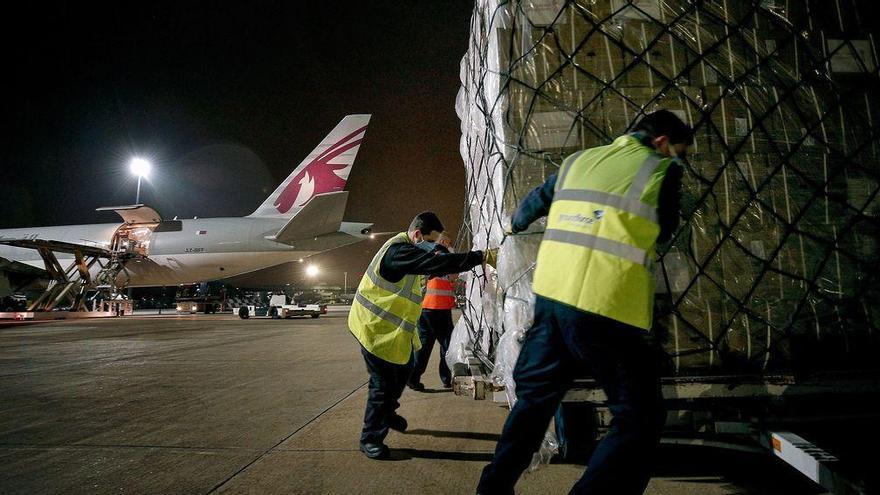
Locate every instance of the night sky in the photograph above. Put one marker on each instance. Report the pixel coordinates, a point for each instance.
(226, 100)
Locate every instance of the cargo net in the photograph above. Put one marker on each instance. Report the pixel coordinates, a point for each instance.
(774, 267)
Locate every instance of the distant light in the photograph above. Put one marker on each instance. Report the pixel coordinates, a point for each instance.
(312, 271)
(140, 167)
(372, 236)
(301, 260)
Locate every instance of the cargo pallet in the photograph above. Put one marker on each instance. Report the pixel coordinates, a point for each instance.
(755, 414)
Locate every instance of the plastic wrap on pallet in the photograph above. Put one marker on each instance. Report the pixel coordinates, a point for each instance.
(775, 266)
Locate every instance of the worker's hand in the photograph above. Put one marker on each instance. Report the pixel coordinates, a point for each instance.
(490, 257)
(507, 224)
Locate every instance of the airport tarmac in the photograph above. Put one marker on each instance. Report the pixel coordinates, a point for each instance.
(213, 404)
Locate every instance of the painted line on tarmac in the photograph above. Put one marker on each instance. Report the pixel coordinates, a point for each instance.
(270, 449)
(404, 449)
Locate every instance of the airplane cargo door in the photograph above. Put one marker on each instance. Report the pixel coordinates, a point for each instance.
(133, 239)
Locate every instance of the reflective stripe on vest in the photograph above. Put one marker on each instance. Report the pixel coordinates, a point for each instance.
(625, 251)
(381, 282)
(630, 204)
(563, 171)
(440, 294)
(601, 231)
(384, 314)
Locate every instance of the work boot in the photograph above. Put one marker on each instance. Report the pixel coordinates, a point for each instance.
(417, 386)
(398, 423)
(375, 450)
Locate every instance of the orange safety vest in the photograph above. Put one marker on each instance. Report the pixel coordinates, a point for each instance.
(439, 294)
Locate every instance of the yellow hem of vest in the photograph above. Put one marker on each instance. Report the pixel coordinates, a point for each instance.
(372, 353)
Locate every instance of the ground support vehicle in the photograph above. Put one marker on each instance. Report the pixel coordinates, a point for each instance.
(279, 308)
(206, 297)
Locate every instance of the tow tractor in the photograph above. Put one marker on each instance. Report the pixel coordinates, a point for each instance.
(279, 308)
(206, 297)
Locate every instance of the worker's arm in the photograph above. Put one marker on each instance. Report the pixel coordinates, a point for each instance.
(407, 259)
(439, 248)
(534, 206)
(669, 203)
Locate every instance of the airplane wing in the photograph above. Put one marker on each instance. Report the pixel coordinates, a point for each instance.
(47, 249)
(12, 266)
(58, 246)
(321, 215)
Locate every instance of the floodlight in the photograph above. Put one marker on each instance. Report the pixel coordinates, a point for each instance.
(139, 167)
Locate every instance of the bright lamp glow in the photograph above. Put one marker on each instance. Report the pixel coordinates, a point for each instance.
(139, 167)
(312, 270)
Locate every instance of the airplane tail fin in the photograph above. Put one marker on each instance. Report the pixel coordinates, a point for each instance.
(325, 170)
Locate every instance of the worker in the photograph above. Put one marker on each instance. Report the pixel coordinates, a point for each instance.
(385, 313)
(606, 209)
(435, 323)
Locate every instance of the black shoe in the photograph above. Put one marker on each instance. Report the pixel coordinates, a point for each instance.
(417, 386)
(375, 450)
(447, 385)
(398, 423)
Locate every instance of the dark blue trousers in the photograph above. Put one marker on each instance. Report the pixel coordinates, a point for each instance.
(434, 325)
(387, 381)
(565, 343)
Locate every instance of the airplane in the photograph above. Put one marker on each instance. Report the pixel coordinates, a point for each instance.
(301, 218)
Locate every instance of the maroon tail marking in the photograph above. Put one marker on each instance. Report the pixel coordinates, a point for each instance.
(321, 171)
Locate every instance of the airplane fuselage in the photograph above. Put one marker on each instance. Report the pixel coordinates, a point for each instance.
(184, 251)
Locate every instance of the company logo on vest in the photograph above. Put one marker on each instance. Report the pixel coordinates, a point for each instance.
(579, 219)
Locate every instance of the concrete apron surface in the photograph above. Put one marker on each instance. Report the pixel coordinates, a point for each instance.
(212, 404)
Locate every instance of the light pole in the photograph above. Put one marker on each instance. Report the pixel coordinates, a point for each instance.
(141, 168)
(345, 283)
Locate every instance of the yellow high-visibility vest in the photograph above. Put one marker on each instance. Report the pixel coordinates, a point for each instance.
(384, 314)
(602, 229)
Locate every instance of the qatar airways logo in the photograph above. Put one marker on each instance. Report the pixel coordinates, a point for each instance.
(319, 176)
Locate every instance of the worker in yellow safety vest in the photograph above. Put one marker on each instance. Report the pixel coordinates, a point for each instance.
(384, 315)
(435, 324)
(606, 210)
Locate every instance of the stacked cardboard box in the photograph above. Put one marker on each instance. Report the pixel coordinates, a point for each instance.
(777, 260)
